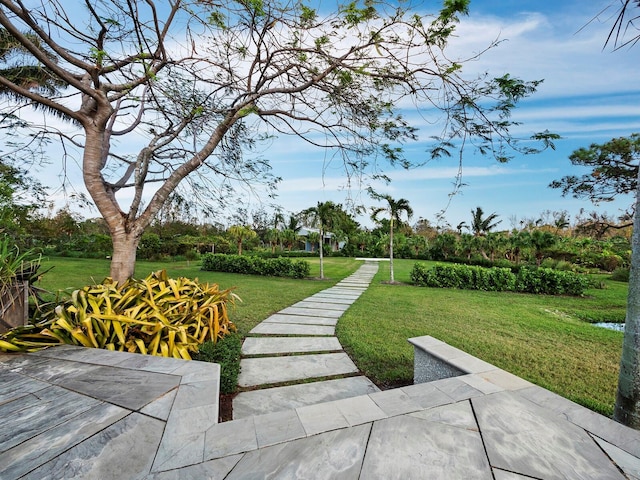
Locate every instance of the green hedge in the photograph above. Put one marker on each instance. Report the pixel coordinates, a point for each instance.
(527, 280)
(275, 267)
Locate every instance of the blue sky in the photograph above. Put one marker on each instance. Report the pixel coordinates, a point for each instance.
(589, 95)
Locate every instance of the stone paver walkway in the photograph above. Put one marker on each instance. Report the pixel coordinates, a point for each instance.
(298, 346)
(71, 412)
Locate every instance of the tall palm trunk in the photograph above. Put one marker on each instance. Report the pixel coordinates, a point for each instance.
(391, 277)
(627, 409)
(321, 253)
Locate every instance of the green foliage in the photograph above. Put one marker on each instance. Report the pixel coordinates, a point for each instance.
(155, 316)
(20, 196)
(550, 282)
(620, 275)
(256, 7)
(542, 339)
(528, 280)
(253, 265)
(307, 15)
(19, 266)
(14, 263)
(354, 15)
(226, 352)
(218, 19)
(614, 168)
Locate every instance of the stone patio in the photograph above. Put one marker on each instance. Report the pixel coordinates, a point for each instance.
(71, 412)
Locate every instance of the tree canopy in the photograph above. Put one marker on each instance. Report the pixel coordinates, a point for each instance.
(481, 225)
(613, 170)
(186, 90)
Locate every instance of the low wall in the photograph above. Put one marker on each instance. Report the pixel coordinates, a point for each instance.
(429, 366)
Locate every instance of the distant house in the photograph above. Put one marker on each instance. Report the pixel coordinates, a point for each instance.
(328, 243)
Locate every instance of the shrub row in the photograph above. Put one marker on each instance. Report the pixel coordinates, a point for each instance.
(526, 280)
(276, 267)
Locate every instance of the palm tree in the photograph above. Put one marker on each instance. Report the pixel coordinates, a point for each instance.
(273, 237)
(395, 209)
(541, 241)
(322, 216)
(33, 77)
(314, 239)
(481, 225)
(240, 233)
(467, 244)
(561, 221)
(517, 242)
(289, 237)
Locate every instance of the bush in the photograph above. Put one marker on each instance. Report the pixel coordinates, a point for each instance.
(226, 352)
(526, 280)
(155, 316)
(610, 262)
(275, 267)
(620, 275)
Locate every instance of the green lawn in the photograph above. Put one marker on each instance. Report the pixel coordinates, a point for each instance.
(541, 338)
(261, 296)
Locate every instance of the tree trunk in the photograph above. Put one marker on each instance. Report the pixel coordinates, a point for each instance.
(123, 262)
(321, 253)
(391, 276)
(125, 235)
(627, 409)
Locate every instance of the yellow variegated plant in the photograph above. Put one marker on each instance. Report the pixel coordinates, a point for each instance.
(155, 316)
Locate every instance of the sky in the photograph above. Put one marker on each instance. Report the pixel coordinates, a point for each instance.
(589, 95)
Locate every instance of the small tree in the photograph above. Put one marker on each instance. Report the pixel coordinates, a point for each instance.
(314, 239)
(240, 233)
(395, 209)
(541, 241)
(289, 237)
(322, 216)
(273, 236)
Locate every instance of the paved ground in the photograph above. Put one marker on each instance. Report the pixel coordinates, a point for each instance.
(70, 412)
(298, 346)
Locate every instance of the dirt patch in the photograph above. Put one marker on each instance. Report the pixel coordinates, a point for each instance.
(225, 413)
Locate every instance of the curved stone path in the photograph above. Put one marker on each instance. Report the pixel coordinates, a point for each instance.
(297, 347)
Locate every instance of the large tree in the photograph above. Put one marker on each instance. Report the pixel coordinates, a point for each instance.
(168, 91)
(627, 408)
(614, 171)
(394, 208)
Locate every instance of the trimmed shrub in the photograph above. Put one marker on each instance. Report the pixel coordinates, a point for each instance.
(275, 267)
(526, 280)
